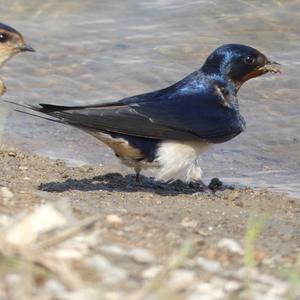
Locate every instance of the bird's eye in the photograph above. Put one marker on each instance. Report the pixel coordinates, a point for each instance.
(249, 60)
(3, 37)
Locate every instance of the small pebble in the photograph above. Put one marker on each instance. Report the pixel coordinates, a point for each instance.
(113, 220)
(23, 168)
(238, 202)
(141, 255)
(151, 272)
(55, 287)
(181, 279)
(207, 291)
(6, 195)
(109, 273)
(231, 195)
(99, 262)
(12, 153)
(230, 245)
(114, 250)
(189, 223)
(208, 265)
(68, 254)
(232, 286)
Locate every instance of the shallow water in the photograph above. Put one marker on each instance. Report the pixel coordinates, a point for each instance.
(91, 51)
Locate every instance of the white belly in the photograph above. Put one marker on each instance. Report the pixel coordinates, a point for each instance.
(174, 159)
(179, 160)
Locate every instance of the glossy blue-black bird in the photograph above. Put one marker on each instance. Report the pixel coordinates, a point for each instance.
(168, 129)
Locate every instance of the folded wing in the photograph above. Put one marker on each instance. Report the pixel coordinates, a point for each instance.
(176, 116)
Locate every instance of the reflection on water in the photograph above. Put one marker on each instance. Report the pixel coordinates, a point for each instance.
(102, 50)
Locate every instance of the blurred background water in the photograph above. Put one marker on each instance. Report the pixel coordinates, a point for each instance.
(91, 51)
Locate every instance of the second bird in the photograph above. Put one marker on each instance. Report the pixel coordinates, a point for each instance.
(168, 129)
(11, 43)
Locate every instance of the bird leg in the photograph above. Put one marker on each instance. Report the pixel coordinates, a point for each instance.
(137, 174)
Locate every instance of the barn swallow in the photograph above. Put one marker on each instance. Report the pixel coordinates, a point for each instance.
(11, 43)
(168, 129)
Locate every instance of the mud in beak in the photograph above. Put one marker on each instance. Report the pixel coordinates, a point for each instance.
(271, 66)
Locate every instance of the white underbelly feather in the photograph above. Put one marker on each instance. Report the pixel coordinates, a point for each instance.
(174, 159)
(179, 160)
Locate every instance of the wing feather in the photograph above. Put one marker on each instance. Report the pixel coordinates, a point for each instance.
(176, 116)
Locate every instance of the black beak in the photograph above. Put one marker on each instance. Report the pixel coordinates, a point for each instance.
(272, 62)
(26, 48)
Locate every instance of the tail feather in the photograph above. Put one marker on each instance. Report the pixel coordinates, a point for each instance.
(47, 108)
(42, 108)
(25, 105)
(68, 114)
(41, 117)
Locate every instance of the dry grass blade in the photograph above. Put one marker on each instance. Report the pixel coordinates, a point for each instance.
(157, 284)
(67, 233)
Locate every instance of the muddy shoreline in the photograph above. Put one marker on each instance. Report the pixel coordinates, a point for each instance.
(93, 189)
(155, 216)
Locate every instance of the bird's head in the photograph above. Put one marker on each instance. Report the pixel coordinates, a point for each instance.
(238, 63)
(11, 43)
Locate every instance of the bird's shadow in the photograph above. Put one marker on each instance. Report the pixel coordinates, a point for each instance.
(119, 183)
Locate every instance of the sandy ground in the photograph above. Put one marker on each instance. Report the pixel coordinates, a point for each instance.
(160, 219)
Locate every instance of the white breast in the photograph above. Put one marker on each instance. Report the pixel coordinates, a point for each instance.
(179, 160)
